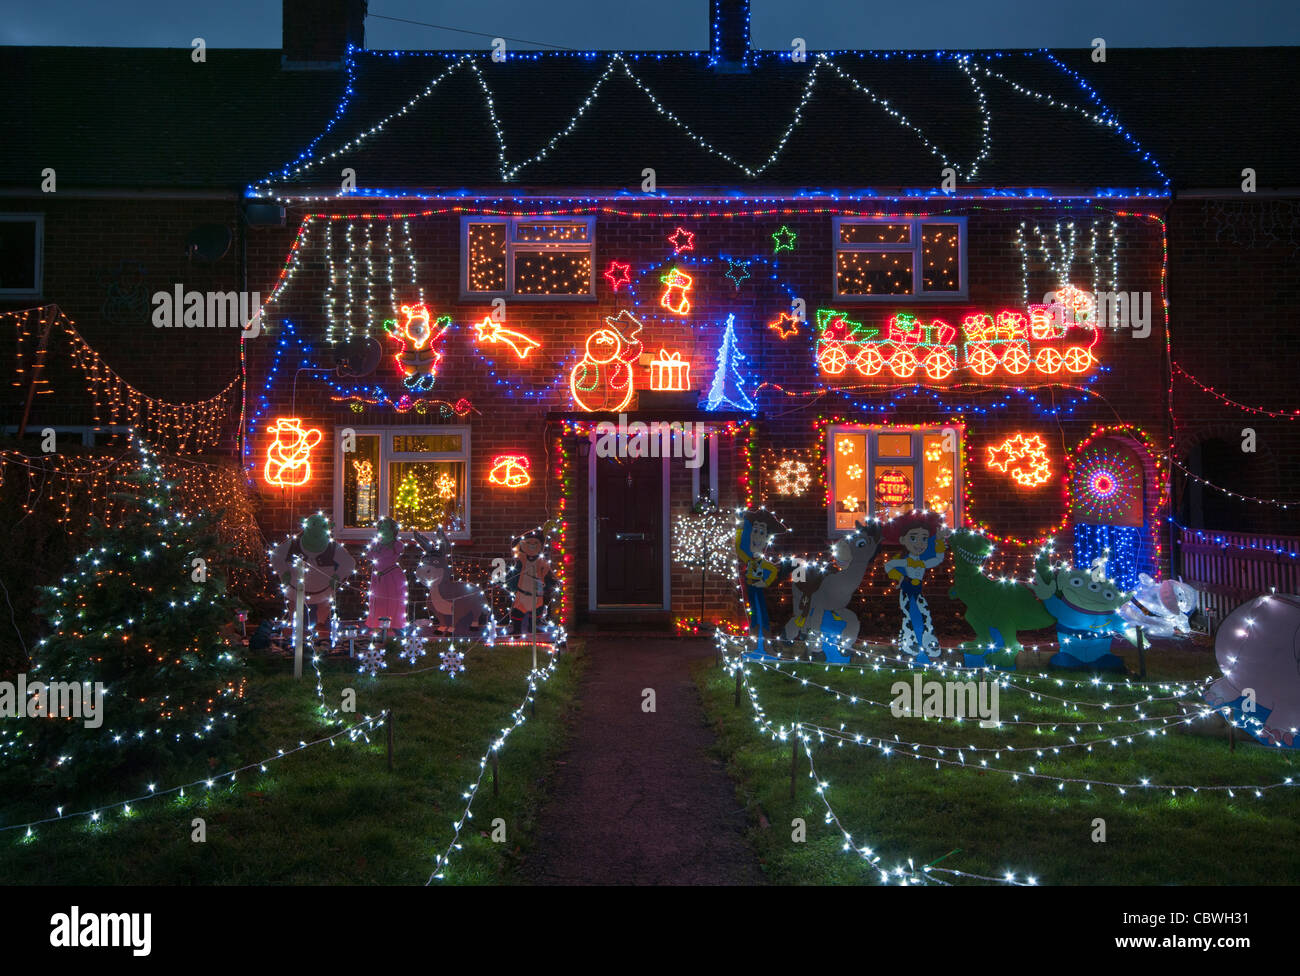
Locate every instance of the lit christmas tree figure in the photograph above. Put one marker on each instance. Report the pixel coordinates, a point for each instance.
(728, 387)
(145, 618)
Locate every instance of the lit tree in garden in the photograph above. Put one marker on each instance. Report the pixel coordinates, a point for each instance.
(143, 613)
(705, 539)
(728, 387)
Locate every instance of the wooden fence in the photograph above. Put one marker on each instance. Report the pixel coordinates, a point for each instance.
(1229, 568)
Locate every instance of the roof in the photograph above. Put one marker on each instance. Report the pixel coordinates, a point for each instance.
(112, 118)
(839, 123)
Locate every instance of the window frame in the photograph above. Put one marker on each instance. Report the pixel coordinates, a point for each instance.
(916, 459)
(386, 457)
(588, 246)
(38, 266)
(917, 225)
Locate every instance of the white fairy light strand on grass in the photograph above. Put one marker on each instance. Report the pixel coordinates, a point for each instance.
(780, 734)
(1144, 784)
(94, 814)
(518, 718)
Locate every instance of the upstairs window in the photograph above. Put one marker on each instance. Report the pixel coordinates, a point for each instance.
(528, 257)
(22, 239)
(883, 259)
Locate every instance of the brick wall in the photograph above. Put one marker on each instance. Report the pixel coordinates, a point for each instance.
(1130, 389)
(1234, 286)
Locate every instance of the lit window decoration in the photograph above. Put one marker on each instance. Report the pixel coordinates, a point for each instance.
(510, 471)
(784, 239)
(491, 332)
(676, 296)
(682, 240)
(785, 325)
(854, 471)
(791, 478)
(446, 486)
(367, 490)
(670, 372)
(618, 274)
(893, 488)
(738, 272)
(419, 362)
(602, 380)
(1024, 458)
(288, 458)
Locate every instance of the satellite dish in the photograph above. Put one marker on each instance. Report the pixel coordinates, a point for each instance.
(357, 356)
(208, 242)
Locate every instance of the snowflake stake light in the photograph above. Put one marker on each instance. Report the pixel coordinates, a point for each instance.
(452, 662)
(412, 646)
(372, 660)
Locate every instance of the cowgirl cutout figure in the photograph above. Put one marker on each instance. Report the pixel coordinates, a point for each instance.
(752, 537)
(922, 551)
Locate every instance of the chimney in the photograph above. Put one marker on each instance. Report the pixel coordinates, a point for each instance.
(316, 33)
(729, 35)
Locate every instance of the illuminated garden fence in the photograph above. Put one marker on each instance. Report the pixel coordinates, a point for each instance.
(1229, 568)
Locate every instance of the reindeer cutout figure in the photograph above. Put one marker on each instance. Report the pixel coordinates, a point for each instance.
(821, 599)
(457, 606)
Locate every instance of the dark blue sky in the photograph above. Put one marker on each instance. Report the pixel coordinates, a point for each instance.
(677, 24)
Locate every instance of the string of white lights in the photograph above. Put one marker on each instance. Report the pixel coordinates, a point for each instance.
(517, 718)
(510, 171)
(903, 875)
(95, 814)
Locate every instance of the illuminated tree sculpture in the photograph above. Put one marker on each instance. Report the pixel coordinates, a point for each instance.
(728, 389)
(145, 616)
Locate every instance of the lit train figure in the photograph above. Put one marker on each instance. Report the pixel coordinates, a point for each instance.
(1053, 337)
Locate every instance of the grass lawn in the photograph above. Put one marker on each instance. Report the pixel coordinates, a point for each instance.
(988, 823)
(330, 814)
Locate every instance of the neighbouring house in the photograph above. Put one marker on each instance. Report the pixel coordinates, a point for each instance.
(1022, 289)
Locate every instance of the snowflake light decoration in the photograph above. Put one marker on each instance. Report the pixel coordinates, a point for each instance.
(452, 662)
(372, 660)
(791, 477)
(412, 646)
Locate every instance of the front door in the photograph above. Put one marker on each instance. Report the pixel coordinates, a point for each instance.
(629, 527)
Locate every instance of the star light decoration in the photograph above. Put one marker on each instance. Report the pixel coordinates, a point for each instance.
(738, 272)
(1024, 458)
(784, 239)
(618, 274)
(785, 325)
(682, 240)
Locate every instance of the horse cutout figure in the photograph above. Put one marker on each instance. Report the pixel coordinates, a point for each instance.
(821, 596)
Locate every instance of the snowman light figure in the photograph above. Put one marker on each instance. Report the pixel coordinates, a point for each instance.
(602, 380)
